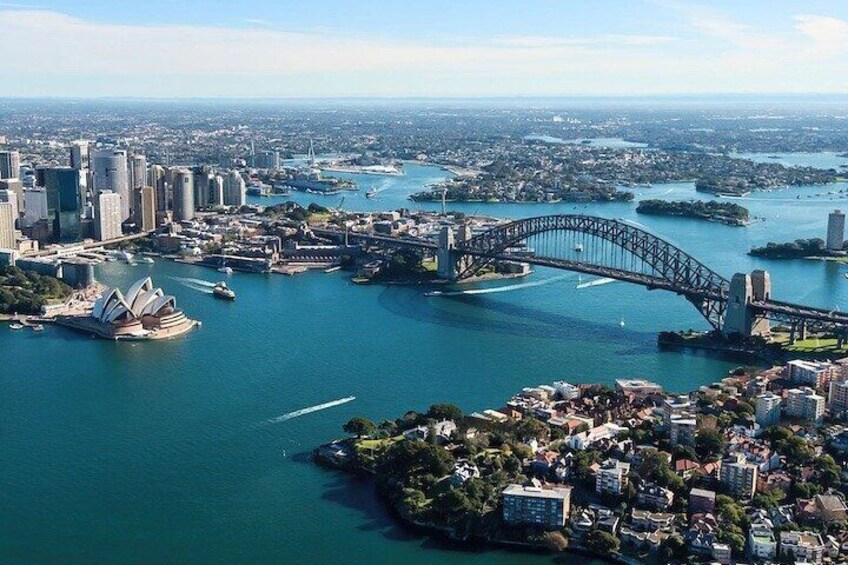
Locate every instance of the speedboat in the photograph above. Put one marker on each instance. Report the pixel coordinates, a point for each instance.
(16, 326)
(38, 328)
(371, 193)
(226, 270)
(222, 291)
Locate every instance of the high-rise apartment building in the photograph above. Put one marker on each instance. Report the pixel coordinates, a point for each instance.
(107, 215)
(803, 403)
(835, 230)
(768, 409)
(738, 476)
(235, 189)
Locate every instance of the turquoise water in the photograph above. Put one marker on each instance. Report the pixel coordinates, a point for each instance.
(158, 452)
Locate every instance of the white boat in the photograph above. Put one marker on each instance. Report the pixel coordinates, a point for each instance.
(38, 328)
(621, 323)
(371, 193)
(16, 327)
(225, 270)
(578, 248)
(146, 260)
(224, 292)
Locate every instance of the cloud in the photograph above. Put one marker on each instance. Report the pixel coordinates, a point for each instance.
(52, 53)
(829, 36)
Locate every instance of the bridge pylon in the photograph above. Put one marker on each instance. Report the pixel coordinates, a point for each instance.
(739, 318)
(450, 261)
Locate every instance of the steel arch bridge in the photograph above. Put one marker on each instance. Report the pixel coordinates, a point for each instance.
(663, 265)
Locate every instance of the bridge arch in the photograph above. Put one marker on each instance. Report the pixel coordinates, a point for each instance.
(665, 266)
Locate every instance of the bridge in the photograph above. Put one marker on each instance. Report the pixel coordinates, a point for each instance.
(617, 250)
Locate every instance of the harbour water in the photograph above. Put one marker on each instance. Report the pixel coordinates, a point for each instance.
(184, 450)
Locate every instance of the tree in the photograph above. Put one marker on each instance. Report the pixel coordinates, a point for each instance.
(359, 426)
(710, 444)
(531, 428)
(444, 412)
(674, 547)
(602, 542)
(554, 541)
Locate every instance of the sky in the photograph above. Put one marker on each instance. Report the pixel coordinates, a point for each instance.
(424, 48)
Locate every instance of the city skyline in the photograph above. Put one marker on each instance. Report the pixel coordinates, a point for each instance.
(334, 50)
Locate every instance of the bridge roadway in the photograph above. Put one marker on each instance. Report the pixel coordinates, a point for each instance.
(775, 309)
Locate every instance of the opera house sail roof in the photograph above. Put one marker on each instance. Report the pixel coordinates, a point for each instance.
(141, 300)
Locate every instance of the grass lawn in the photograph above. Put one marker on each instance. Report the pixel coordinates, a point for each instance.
(809, 345)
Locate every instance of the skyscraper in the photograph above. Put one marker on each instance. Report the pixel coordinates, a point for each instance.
(235, 189)
(183, 190)
(145, 208)
(16, 186)
(7, 226)
(835, 230)
(202, 184)
(10, 165)
(65, 200)
(109, 172)
(157, 179)
(107, 216)
(216, 191)
(35, 205)
(137, 172)
(10, 197)
(79, 155)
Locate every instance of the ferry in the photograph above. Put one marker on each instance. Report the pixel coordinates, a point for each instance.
(222, 291)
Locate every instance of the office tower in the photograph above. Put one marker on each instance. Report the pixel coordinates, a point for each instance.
(10, 165)
(235, 189)
(157, 179)
(7, 226)
(835, 230)
(10, 197)
(145, 208)
(109, 172)
(107, 215)
(183, 189)
(216, 191)
(79, 155)
(768, 409)
(35, 206)
(65, 200)
(137, 172)
(16, 186)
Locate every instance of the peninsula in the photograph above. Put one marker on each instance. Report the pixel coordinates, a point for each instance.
(750, 464)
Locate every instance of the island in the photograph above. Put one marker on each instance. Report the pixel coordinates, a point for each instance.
(750, 464)
(798, 249)
(712, 211)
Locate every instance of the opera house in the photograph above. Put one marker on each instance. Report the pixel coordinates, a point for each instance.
(144, 312)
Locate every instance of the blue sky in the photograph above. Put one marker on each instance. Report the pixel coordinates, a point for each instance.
(334, 48)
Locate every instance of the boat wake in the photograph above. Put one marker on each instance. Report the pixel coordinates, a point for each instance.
(198, 288)
(596, 282)
(506, 288)
(310, 410)
(197, 282)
